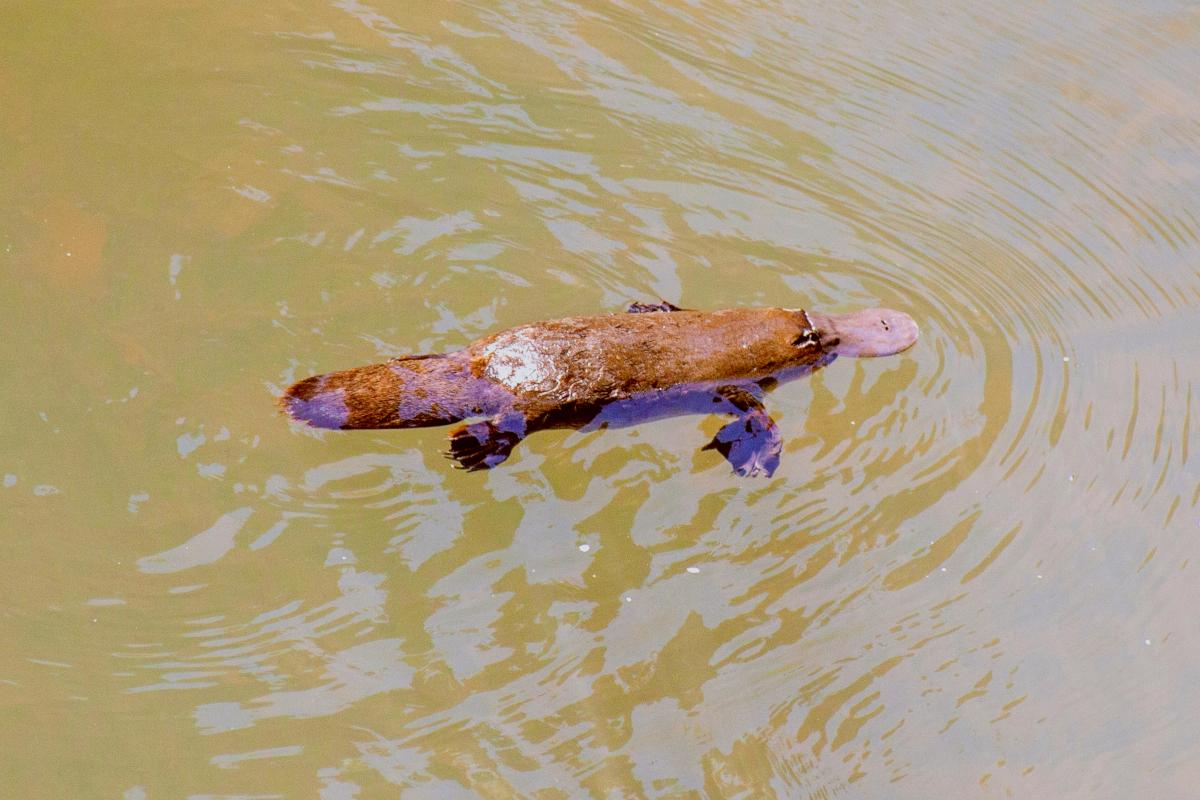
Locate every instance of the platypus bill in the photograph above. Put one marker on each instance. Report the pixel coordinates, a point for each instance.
(657, 360)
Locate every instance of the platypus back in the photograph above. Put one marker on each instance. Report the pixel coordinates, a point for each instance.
(412, 392)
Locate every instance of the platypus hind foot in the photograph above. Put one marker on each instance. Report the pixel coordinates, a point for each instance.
(483, 445)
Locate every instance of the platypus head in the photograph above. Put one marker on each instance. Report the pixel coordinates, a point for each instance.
(871, 332)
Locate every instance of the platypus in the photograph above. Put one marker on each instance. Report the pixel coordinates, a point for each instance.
(656, 360)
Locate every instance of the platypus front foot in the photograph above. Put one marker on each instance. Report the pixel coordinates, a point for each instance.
(646, 308)
(483, 445)
(752, 442)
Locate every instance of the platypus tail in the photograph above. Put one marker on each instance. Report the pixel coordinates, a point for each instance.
(412, 392)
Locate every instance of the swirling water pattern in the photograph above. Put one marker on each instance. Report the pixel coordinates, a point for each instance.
(970, 576)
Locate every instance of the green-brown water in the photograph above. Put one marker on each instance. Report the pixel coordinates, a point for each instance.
(972, 576)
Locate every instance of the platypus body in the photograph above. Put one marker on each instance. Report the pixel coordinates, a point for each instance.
(579, 372)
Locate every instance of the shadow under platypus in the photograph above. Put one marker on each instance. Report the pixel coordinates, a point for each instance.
(655, 361)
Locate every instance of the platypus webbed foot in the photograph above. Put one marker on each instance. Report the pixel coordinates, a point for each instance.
(752, 442)
(646, 308)
(483, 445)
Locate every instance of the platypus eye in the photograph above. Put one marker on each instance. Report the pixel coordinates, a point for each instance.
(807, 336)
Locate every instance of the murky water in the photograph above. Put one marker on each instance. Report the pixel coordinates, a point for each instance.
(972, 575)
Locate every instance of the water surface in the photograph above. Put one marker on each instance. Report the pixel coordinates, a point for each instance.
(972, 574)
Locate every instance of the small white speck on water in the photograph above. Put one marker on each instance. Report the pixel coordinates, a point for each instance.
(1147, 642)
(1039, 577)
(175, 266)
(1071, 477)
(628, 599)
(583, 548)
(135, 500)
(1066, 358)
(943, 569)
(694, 570)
